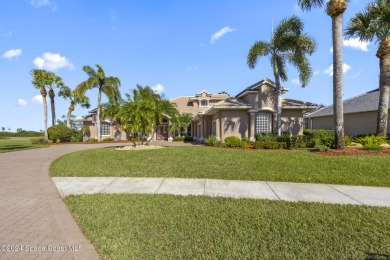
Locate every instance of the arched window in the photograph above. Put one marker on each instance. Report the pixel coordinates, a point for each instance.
(263, 122)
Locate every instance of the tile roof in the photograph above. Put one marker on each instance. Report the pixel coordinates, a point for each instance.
(255, 87)
(297, 103)
(183, 107)
(361, 103)
(231, 102)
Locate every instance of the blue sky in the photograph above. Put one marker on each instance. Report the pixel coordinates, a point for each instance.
(178, 47)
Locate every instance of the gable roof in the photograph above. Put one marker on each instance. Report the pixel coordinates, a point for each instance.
(255, 87)
(293, 103)
(232, 102)
(362, 103)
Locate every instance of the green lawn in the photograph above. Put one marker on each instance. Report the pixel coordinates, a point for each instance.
(177, 227)
(216, 163)
(11, 144)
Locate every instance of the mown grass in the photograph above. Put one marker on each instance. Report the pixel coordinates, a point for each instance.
(176, 227)
(11, 144)
(215, 163)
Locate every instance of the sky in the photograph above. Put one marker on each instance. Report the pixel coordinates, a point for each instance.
(176, 47)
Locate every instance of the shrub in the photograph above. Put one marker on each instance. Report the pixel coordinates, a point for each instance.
(320, 148)
(178, 139)
(347, 140)
(93, 139)
(40, 140)
(372, 147)
(61, 132)
(313, 138)
(108, 139)
(245, 139)
(268, 145)
(86, 131)
(188, 139)
(213, 141)
(77, 136)
(233, 141)
(266, 137)
(372, 140)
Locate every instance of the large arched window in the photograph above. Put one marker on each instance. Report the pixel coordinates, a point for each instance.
(263, 122)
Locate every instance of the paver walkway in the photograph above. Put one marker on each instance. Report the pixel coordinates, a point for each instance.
(327, 193)
(32, 213)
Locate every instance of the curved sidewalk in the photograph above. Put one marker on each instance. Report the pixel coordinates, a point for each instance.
(32, 213)
(326, 193)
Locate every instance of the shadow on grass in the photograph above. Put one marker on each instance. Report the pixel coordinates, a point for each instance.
(16, 147)
(375, 256)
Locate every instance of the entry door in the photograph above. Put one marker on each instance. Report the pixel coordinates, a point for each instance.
(161, 132)
(159, 135)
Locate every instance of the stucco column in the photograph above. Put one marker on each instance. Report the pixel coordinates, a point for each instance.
(221, 123)
(218, 126)
(201, 128)
(252, 126)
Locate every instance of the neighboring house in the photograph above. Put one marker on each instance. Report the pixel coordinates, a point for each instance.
(360, 115)
(251, 111)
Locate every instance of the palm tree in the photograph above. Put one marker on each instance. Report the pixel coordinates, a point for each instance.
(335, 9)
(39, 82)
(288, 44)
(137, 113)
(53, 81)
(67, 93)
(374, 22)
(107, 85)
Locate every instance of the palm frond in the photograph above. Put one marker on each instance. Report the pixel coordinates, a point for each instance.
(258, 49)
(307, 5)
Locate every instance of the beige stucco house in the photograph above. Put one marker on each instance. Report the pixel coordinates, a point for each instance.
(360, 115)
(251, 111)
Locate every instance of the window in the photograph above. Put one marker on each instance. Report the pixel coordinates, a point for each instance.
(203, 103)
(105, 128)
(263, 123)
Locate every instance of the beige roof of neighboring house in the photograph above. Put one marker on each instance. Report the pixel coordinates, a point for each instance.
(232, 102)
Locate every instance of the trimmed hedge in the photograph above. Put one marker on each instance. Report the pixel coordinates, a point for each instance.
(268, 145)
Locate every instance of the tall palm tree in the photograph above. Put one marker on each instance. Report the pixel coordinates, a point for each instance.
(107, 85)
(53, 81)
(288, 44)
(39, 82)
(374, 22)
(67, 93)
(335, 9)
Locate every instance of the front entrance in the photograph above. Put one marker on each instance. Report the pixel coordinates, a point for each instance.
(162, 132)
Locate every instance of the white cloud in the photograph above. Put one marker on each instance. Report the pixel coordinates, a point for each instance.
(12, 53)
(316, 72)
(329, 71)
(355, 43)
(331, 50)
(192, 68)
(295, 81)
(159, 88)
(22, 102)
(37, 99)
(52, 61)
(220, 33)
(40, 3)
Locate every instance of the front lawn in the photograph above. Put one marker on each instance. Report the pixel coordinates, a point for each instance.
(230, 164)
(11, 144)
(177, 227)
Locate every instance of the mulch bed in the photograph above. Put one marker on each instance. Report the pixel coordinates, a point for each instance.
(349, 151)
